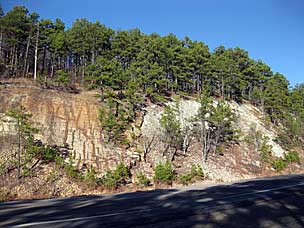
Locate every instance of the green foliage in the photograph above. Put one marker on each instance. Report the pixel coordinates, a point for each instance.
(214, 124)
(254, 137)
(292, 156)
(172, 127)
(279, 164)
(109, 180)
(90, 175)
(116, 178)
(221, 119)
(71, 171)
(62, 78)
(59, 162)
(163, 173)
(276, 97)
(25, 137)
(121, 173)
(196, 173)
(141, 66)
(185, 179)
(143, 180)
(49, 154)
(114, 121)
(23, 122)
(265, 150)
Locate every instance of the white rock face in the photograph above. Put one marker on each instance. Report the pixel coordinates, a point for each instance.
(187, 109)
(7, 125)
(249, 115)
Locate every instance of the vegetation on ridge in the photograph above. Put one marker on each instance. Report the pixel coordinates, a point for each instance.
(132, 69)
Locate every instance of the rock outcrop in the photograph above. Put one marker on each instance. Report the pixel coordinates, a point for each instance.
(71, 120)
(62, 119)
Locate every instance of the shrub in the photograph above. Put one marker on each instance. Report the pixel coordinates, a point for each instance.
(113, 121)
(143, 180)
(26, 172)
(185, 179)
(197, 172)
(292, 156)
(265, 150)
(59, 161)
(113, 179)
(62, 78)
(49, 154)
(122, 173)
(71, 170)
(164, 173)
(90, 175)
(109, 180)
(279, 164)
(2, 168)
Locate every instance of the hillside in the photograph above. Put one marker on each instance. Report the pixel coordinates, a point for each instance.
(71, 123)
(88, 108)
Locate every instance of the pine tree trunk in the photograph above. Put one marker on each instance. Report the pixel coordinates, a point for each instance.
(36, 54)
(222, 88)
(1, 38)
(26, 54)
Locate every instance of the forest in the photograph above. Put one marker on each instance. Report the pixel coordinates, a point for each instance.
(94, 56)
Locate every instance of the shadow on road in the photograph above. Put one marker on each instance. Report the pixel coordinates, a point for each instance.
(273, 202)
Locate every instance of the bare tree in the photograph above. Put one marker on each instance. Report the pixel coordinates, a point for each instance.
(148, 142)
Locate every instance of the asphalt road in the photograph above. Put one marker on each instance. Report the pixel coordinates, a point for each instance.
(268, 202)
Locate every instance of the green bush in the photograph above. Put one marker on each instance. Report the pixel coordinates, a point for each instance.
(71, 170)
(197, 172)
(62, 77)
(292, 156)
(185, 179)
(26, 172)
(59, 161)
(143, 180)
(113, 119)
(90, 176)
(164, 173)
(265, 150)
(279, 164)
(121, 173)
(109, 180)
(113, 179)
(49, 154)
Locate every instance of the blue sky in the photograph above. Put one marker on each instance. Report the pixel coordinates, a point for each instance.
(271, 30)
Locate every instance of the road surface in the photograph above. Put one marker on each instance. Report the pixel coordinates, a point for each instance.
(267, 202)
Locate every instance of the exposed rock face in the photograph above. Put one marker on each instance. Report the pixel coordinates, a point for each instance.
(63, 119)
(239, 162)
(72, 119)
(249, 116)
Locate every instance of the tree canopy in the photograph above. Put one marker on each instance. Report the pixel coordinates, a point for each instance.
(94, 55)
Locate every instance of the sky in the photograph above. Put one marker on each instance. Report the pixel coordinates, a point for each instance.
(270, 30)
